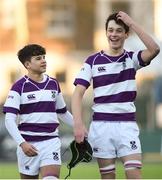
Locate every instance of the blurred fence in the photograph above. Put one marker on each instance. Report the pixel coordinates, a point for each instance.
(151, 145)
(151, 141)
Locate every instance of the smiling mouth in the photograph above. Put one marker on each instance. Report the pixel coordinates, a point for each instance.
(114, 40)
(44, 66)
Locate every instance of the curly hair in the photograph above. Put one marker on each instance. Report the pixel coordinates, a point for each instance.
(30, 50)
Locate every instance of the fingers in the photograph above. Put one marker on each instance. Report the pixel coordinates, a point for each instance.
(33, 147)
(31, 154)
(32, 151)
(80, 132)
(86, 133)
(79, 139)
(29, 149)
(121, 15)
(125, 18)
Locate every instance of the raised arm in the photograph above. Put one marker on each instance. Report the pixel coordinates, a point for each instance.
(152, 48)
(76, 105)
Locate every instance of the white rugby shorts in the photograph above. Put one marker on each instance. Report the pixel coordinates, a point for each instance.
(114, 139)
(48, 154)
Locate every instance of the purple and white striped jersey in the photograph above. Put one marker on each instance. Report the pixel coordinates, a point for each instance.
(37, 105)
(114, 84)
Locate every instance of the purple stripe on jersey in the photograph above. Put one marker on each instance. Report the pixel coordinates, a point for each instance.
(10, 110)
(28, 87)
(37, 138)
(53, 84)
(128, 96)
(113, 116)
(18, 85)
(130, 53)
(81, 82)
(38, 127)
(102, 58)
(49, 84)
(96, 60)
(30, 84)
(90, 59)
(104, 80)
(119, 58)
(43, 106)
(61, 111)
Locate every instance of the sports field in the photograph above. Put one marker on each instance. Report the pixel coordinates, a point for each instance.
(85, 171)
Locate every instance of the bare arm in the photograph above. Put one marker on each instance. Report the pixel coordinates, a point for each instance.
(152, 48)
(76, 105)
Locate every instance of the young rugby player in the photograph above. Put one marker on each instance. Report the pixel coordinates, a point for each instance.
(113, 131)
(37, 99)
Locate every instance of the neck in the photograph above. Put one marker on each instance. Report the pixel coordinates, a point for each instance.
(36, 77)
(114, 52)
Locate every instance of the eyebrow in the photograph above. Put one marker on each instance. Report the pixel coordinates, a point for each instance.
(119, 28)
(39, 55)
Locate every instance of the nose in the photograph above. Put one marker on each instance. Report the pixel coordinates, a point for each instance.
(43, 59)
(113, 33)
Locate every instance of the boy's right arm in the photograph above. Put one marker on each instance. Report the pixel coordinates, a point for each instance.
(10, 123)
(76, 105)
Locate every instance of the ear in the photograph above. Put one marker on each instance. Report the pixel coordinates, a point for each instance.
(27, 64)
(126, 35)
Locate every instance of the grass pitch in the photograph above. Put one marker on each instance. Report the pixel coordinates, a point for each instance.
(85, 171)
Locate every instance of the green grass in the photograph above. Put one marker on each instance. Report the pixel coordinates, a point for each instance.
(85, 171)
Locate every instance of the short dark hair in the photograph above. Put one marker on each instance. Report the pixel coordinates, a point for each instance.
(118, 21)
(30, 50)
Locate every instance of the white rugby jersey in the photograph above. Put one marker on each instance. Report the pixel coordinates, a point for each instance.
(37, 105)
(114, 84)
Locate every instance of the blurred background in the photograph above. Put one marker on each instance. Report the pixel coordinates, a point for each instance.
(71, 30)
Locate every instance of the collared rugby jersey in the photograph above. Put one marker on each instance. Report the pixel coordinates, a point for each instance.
(114, 84)
(37, 105)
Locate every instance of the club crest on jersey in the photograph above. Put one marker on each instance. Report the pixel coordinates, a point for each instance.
(53, 94)
(101, 69)
(31, 97)
(55, 156)
(133, 145)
